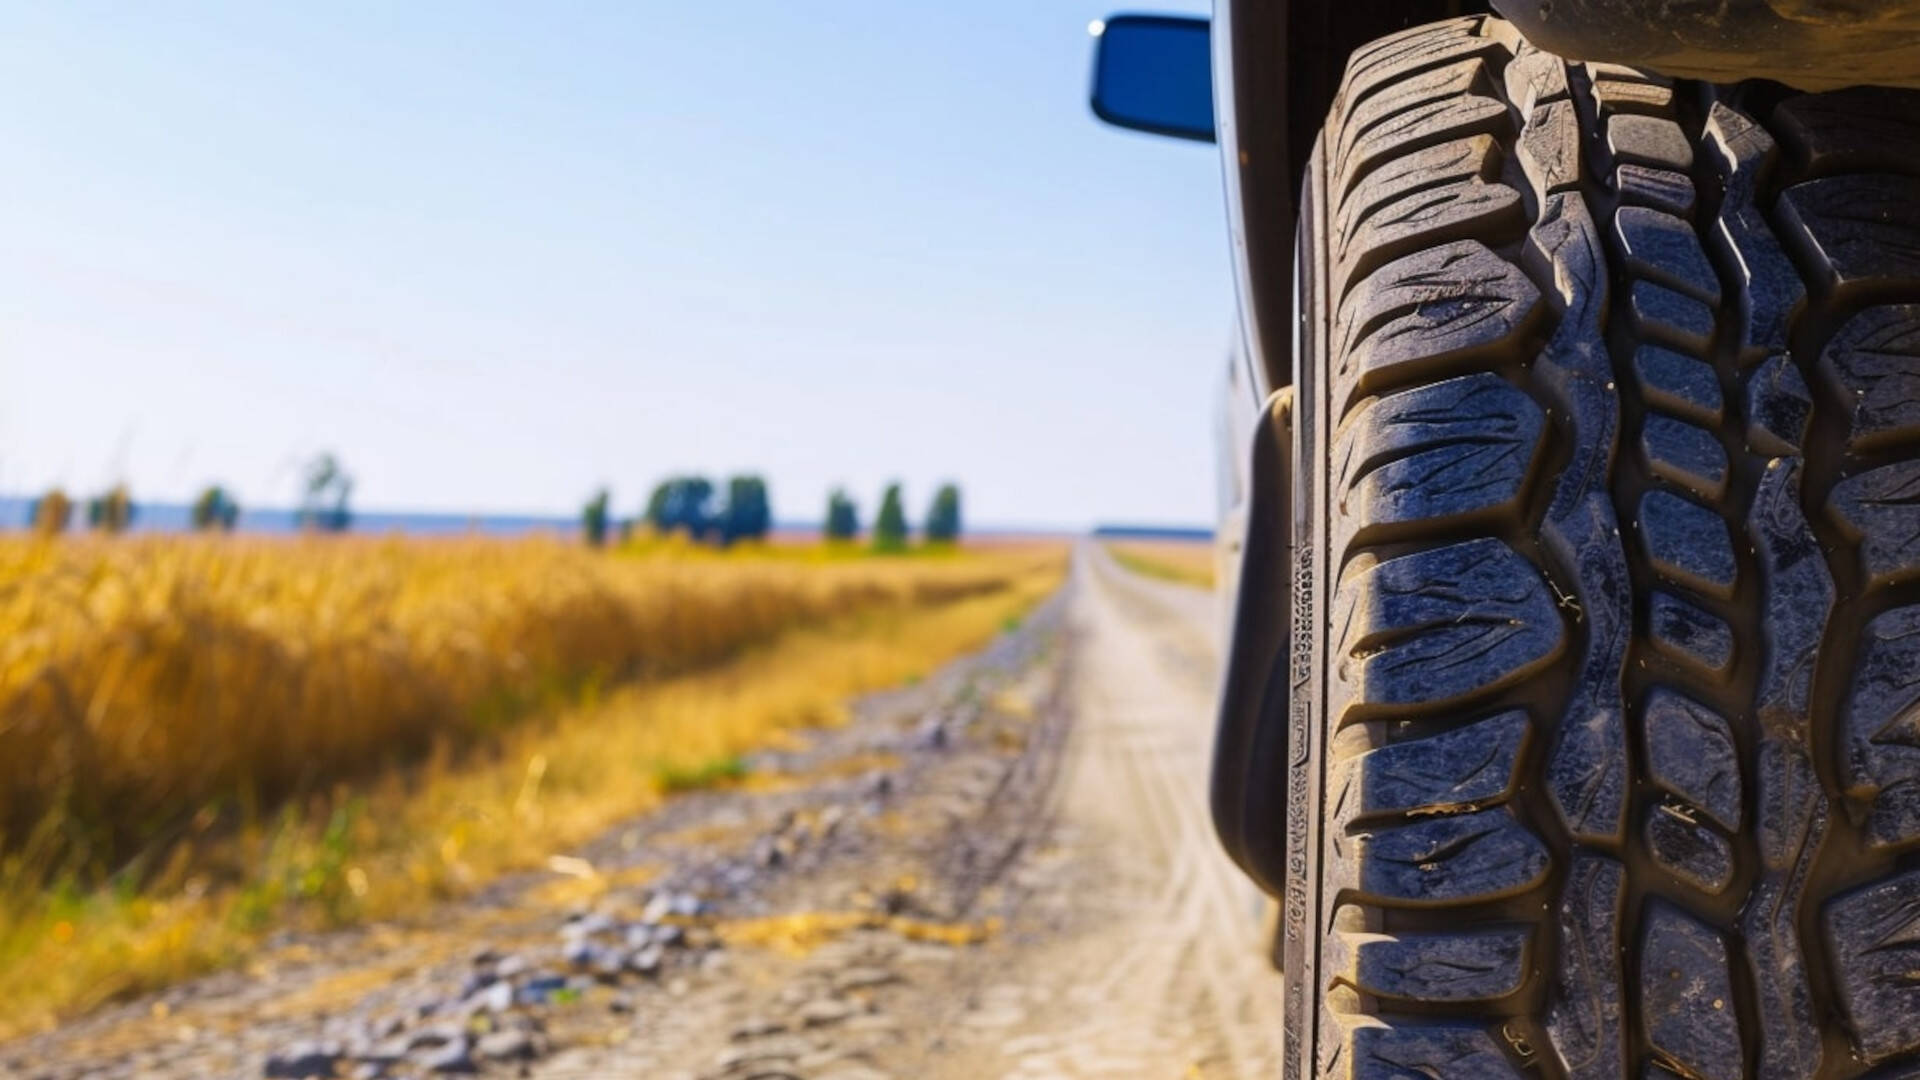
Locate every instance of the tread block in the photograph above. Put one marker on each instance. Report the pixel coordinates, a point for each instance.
(1691, 754)
(1435, 166)
(1678, 384)
(1585, 1022)
(1549, 148)
(1797, 596)
(1473, 966)
(1685, 455)
(1598, 70)
(1687, 543)
(1442, 452)
(1873, 934)
(1689, 850)
(1671, 318)
(1564, 248)
(1427, 311)
(1409, 52)
(1534, 77)
(1880, 722)
(1656, 189)
(1465, 859)
(1425, 1052)
(1587, 774)
(1688, 634)
(1880, 510)
(1467, 210)
(1874, 360)
(1796, 601)
(1415, 110)
(1779, 408)
(1649, 140)
(1793, 822)
(1856, 232)
(1686, 998)
(1440, 626)
(1662, 248)
(1854, 130)
(1468, 768)
(1587, 771)
(1770, 293)
(1615, 95)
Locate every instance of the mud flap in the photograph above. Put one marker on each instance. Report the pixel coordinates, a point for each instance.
(1250, 753)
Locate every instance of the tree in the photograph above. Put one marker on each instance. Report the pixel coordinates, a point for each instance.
(323, 506)
(656, 512)
(51, 513)
(111, 512)
(682, 502)
(843, 518)
(890, 527)
(943, 519)
(593, 519)
(747, 515)
(215, 509)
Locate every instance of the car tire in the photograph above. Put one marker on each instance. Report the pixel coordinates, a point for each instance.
(1606, 597)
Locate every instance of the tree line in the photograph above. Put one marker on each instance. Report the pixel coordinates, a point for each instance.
(691, 505)
(694, 506)
(113, 511)
(326, 488)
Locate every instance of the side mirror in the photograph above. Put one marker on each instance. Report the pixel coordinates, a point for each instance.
(1154, 73)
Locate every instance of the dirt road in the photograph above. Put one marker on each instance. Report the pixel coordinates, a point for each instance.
(1004, 871)
(1171, 982)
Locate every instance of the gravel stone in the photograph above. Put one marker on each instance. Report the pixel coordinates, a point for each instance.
(579, 953)
(658, 908)
(303, 1059)
(646, 961)
(506, 1046)
(610, 964)
(823, 1011)
(496, 998)
(538, 989)
(754, 1027)
(861, 978)
(452, 1058)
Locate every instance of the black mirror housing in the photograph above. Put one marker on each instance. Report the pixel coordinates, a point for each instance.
(1154, 73)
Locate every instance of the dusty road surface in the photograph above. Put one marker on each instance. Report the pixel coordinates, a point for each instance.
(1003, 871)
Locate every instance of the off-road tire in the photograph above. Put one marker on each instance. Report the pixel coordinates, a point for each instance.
(1605, 719)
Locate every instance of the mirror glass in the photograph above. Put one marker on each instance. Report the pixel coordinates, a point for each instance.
(1155, 73)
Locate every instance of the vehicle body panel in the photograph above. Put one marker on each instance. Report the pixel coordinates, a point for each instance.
(1809, 44)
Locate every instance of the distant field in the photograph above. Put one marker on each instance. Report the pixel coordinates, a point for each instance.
(205, 738)
(1187, 562)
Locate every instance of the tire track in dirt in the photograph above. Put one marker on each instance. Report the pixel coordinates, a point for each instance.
(1182, 986)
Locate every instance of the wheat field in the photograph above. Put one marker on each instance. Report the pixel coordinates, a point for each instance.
(206, 738)
(142, 679)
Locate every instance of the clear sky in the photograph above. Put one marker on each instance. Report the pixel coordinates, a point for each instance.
(495, 255)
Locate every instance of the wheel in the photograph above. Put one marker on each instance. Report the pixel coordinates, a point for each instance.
(1605, 754)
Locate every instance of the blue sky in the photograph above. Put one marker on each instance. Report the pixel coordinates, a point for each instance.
(496, 255)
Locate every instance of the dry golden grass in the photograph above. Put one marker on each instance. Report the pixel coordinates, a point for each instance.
(552, 691)
(142, 680)
(1185, 561)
